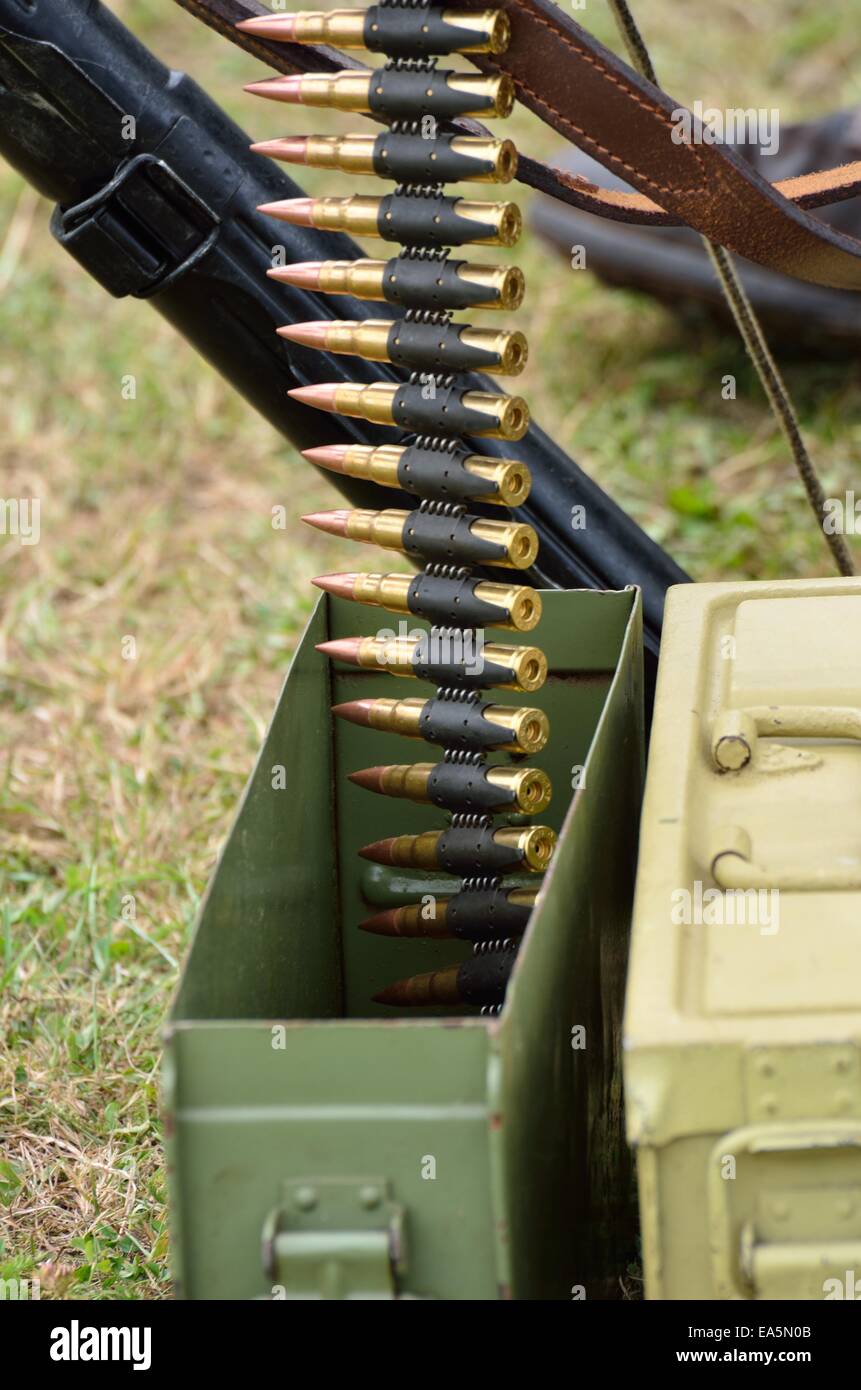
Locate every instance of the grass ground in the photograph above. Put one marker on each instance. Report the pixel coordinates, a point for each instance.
(119, 773)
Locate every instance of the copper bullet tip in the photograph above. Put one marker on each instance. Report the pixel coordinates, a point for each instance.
(321, 397)
(396, 994)
(435, 987)
(355, 711)
(342, 649)
(380, 852)
(327, 455)
(383, 923)
(342, 585)
(335, 523)
(280, 88)
(290, 149)
(371, 778)
(311, 335)
(394, 921)
(265, 26)
(303, 275)
(296, 211)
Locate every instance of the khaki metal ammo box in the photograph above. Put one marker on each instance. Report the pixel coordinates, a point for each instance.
(322, 1146)
(743, 1012)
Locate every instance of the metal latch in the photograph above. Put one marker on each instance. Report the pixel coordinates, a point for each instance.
(140, 232)
(335, 1238)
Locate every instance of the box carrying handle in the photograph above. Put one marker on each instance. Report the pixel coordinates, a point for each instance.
(335, 1238)
(733, 867)
(742, 1266)
(735, 731)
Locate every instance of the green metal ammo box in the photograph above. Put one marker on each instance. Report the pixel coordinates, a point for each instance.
(321, 1145)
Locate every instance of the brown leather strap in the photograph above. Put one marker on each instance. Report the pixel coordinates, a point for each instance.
(603, 106)
(806, 191)
(589, 95)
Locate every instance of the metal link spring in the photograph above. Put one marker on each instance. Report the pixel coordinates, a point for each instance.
(439, 317)
(424, 253)
(454, 692)
(419, 190)
(438, 378)
(487, 948)
(439, 634)
(440, 444)
(488, 883)
(462, 755)
(410, 64)
(434, 508)
(435, 569)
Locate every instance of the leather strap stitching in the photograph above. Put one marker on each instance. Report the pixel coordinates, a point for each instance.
(584, 136)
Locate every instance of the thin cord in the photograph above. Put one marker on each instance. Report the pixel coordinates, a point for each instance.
(749, 327)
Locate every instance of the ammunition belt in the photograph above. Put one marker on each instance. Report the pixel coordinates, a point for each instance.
(436, 465)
